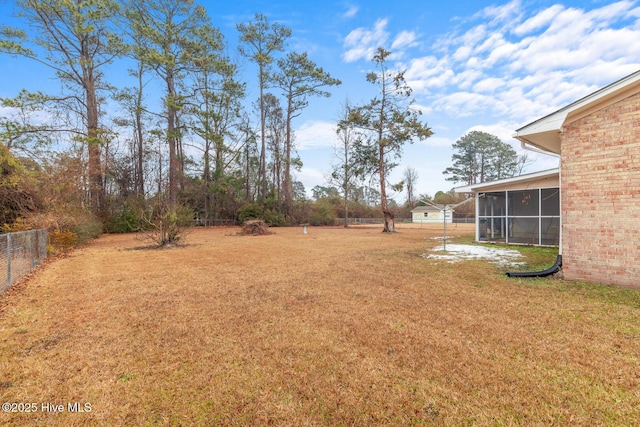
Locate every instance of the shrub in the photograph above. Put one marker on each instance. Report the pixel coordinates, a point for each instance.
(165, 226)
(273, 218)
(126, 221)
(18, 225)
(62, 240)
(249, 211)
(322, 213)
(87, 228)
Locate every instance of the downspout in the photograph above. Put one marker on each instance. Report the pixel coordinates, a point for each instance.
(543, 273)
(477, 203)
(557, 266)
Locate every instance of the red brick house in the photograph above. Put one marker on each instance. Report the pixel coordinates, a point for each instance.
(598, 140)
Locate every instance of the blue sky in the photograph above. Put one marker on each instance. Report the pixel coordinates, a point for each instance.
(473, 65)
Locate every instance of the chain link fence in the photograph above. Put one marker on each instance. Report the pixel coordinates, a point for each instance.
(399, 221)
(19, 253)
(367, 221)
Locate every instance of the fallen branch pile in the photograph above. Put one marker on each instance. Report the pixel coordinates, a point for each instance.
(255, 227)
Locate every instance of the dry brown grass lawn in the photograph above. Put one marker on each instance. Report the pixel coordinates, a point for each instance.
(336, 327)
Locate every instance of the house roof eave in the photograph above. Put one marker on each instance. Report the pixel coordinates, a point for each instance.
(486, 186)
(544, 133)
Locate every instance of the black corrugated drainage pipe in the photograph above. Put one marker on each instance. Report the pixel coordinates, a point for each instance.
(549, 271)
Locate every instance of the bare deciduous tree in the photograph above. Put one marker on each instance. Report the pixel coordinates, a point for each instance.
(410, 180)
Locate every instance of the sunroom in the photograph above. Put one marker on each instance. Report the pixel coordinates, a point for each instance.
(520, 210)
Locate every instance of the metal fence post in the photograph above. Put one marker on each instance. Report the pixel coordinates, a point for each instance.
(34, 248)
(8, 259)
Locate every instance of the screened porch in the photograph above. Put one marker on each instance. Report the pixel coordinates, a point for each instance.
(530, 216)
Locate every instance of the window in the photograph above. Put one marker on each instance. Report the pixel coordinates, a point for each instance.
(426, 214)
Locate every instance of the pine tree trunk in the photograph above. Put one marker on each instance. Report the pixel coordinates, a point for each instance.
(389, 226)
(171, 136)
(140, 140)
(96, 183)
(263, 163)
(288, 187)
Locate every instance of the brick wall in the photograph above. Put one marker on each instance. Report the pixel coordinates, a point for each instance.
(600, 181)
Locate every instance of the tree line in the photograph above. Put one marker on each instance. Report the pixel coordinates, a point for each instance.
(104, 153)
(196, 146)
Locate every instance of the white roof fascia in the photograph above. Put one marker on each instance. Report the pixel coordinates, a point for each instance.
(484, 186)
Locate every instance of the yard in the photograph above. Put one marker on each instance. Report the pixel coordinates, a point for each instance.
(335, 327)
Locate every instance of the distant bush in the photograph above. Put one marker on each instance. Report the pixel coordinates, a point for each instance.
(66, 229)
(251, 211)
(126, 221)
(62, 240)
(322, 213)
(88, 229)
(274, 219)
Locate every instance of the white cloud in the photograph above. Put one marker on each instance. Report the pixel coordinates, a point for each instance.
(468, 77)
(489, 45)
(464, 43)
(351, 12)
(36, 118)
(504, 13)
(464, 104)
(462, 53)
(423, 109)
(502, 50)
(503, 130)
(538, 21)
(601, 73)
(611, 13)
(530, 63)
(361, 43)
(403, 40)
(315, 134)
(428, 72)
(575, 39)
(310, 177)
(489, 85)
(437, 141)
